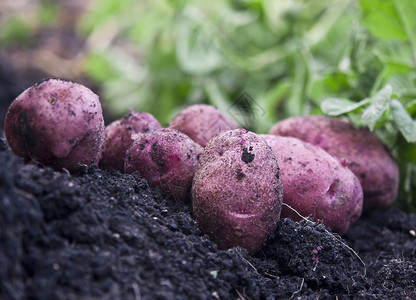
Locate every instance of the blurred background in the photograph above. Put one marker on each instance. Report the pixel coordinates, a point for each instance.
(257, 60)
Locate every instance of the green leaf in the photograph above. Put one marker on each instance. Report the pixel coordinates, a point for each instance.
(407, 151)
(402, 85)
(406, 11)
(15, 30)
(339, 106)
(407, 186)
(296, 104)
(382, 19)
(196, 51)
(391, 20)
(404, 121)
(217, 98)
(394, 53)
(103, 11)
(411, 106)
(99, 68)
(48, 12)
(332, 85)
(214, 273)
(378, 105)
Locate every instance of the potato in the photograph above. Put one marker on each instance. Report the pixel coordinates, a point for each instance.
(360, 149)
(167, 158)
(237, 193)
(57, 123)
(316, 184)
(201, 122)
(119, 136)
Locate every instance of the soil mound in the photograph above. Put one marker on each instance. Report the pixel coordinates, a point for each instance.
(106, 235)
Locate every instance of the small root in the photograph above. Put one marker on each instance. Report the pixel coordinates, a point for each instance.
(298, 290)
(249, 263)
(136, 290)
(242, 296)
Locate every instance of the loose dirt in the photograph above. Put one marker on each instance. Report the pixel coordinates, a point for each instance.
(106, 235)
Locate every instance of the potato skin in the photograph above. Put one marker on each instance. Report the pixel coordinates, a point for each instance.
(57, 123)
(201, 122)
(237, 193)
(316, 184)
(119, 135)
(166, 158)
(360, 149)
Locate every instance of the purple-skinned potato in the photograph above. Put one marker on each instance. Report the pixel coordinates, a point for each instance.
(57, 123)
(201, 122)
(237, 192)
(167, 159)
(316, 184)
(360, 149)
(120, 134)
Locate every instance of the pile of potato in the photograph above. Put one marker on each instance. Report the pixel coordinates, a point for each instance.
(240, 183)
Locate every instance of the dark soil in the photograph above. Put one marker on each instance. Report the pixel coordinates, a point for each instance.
(106, 235)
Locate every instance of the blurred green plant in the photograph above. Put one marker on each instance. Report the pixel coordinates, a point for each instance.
(355, 59)
(18, 27)
(161, 55)
(14, 30)
(389, 108)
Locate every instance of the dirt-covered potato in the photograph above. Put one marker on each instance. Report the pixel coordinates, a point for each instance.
(167, 158)
(360, 149)
(120, 134)
(201, 122)
(57, 123)
(316, 184)
(237, 193)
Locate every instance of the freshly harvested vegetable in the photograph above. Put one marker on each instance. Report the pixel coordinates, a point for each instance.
(57, 123)
(167, 158)
(360, 149)
(237, 192)
(316, 184)
(120, 134)
(201, 122)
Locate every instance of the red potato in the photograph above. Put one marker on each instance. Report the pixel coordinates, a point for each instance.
(360, 149)
(167, 158)
(236, 192)
(201, 122)
(120, 134)
(57, 123)
(316, 184)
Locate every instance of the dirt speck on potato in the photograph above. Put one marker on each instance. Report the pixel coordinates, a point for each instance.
(247, 156)
(240, 175)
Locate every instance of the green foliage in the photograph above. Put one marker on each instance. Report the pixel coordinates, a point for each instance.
(14, 30)
(47, 12)
(348, 58)
(389, 111)
(403, 121)
(18, 28)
